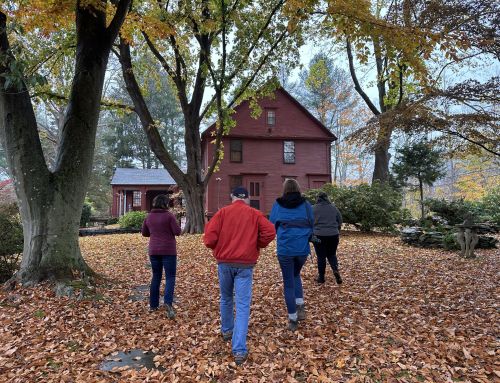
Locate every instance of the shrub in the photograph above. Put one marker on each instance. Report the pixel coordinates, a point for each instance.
(450, 241)
(11, 241)
(112, 221)
(132, 220)
(455, 211)
(86, 213)
(366, 206)
(490, 206)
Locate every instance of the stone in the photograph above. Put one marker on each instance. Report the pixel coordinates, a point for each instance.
(64, 290)
(135, 358)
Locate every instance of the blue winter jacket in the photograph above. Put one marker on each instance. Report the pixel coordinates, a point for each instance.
(293, 218)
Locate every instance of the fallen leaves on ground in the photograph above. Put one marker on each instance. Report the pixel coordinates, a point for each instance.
(402, 315)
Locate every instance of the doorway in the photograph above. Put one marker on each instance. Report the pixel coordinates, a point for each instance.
(255, 193)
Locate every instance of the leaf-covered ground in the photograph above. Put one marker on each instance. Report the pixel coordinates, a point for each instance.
(402, 315)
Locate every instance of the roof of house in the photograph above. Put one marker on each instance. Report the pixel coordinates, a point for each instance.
(5, 183)
(205, 133)
(127, 176)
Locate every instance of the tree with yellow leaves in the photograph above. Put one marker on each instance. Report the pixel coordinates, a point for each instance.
(51, 199)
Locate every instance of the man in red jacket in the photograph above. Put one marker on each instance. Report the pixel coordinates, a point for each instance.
(236, 233)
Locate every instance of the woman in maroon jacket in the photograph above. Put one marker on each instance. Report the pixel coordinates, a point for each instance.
(161, 226)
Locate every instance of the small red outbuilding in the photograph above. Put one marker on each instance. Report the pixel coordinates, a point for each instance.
(134, 189)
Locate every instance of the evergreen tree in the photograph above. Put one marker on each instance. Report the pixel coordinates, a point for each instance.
(421, 162)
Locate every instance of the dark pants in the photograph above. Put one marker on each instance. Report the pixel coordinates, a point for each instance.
(327, 249)
(292, 283)
(158, 263)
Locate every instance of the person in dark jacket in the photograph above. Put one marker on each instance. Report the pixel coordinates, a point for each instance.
(161, 226)
(293, 217)
(327, 224)
(236, 233)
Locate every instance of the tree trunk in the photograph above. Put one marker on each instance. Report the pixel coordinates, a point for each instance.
(51, 201)
(51, 249)
(421, 189)
(195, 211)
(382, 156)
(191, 183)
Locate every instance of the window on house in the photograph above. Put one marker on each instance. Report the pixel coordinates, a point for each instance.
(254, 189)
(236, 151)
(271, 117)
(235, 181)
(136, 200)
(289, 152)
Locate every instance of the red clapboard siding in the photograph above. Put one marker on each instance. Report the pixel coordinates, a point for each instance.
(262, 152)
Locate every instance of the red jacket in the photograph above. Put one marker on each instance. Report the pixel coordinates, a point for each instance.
(237, 232)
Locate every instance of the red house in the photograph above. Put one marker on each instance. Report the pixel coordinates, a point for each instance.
(285, 141)
(7, 192)
(134, 189)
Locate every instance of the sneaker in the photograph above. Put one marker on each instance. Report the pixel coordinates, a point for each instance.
(239, 359)
(320, 279)
(301, 312)
(227, 336)
(151, 309)
(336, 274)
(170, 311)
(293, 325)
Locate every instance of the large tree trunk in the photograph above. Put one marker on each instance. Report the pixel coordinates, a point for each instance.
(195, 208)
(51, 201)
(51, 249)
(382, 155)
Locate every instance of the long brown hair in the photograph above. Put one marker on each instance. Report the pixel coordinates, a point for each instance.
(290, 186)
(161, 202)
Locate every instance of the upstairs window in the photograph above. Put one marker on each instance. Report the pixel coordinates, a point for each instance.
(289, 152)
(236, 151)
(271, 117)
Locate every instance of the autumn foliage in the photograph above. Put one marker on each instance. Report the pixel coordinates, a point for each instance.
(400, 316)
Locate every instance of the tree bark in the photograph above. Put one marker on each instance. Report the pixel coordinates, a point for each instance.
(383, 140)
(192, 186)
(51, 201)
(382, 156)
(195, 213)
(421, 189)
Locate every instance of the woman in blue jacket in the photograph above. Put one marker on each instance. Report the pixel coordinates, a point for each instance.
(293, 218)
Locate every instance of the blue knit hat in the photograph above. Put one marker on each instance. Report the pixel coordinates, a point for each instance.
(240, 192)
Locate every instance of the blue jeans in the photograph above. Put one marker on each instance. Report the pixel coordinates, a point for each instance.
(292, 283)
(158, 263)
(237, 280)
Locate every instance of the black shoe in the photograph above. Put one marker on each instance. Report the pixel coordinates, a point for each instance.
(170, 311)
(227, 336)
(239, 359)
(320, 279)
(301, 312)
(293, 325)
(336, 274)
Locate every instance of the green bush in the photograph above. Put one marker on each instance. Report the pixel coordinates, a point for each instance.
(366, 206)
(490, 206)
(455, 211)
(450, 241)
(11, 241)
(86, 213)
(132, 220)
(112, 221)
